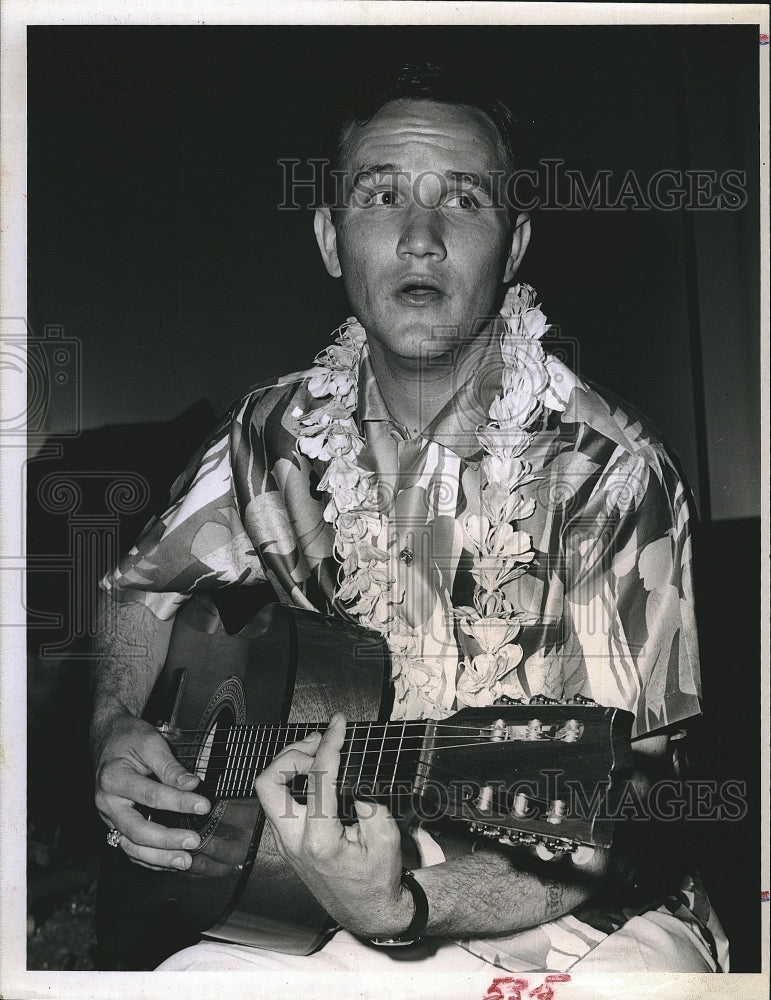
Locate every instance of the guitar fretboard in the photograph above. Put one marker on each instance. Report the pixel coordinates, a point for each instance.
(376, 758)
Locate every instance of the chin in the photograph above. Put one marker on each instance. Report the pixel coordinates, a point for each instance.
(420, 339)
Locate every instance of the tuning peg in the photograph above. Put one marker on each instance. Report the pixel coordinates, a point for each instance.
(521, 805)
(506, 700)
(498, 731)
(580, 699)
(484, 801)
(556, 812)
(582, 855)
(544, 853)
(533, 730)
(571, 731)
(542, 699)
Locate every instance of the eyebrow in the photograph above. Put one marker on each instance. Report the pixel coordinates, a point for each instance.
(374, 170)
(458, 176)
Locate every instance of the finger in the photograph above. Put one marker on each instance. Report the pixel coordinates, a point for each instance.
(150, 857)
(276, 799)
(379, 830)
(309, 744)
(164, 765)
(322, 776)
(119, 778)
(145, 833)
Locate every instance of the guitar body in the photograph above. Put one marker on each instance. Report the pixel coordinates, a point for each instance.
(232, 695)
(285, 665)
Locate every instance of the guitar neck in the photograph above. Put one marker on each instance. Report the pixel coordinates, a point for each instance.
(377, 759)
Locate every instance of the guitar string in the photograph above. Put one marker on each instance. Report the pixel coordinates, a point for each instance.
(297, 737)
(348, 745)
(375, 725)
(245, 767)
(447, 773)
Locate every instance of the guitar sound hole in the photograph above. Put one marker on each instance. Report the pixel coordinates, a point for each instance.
(211, 760)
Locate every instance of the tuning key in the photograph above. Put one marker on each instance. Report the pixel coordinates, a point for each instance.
(556, 812)
(533, 730)
(521, 805)
(571, 731)
(484, 801)
(580, 699)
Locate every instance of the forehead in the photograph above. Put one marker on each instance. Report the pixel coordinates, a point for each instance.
(418, 134)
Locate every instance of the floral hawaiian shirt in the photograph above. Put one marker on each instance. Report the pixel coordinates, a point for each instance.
(606, 603)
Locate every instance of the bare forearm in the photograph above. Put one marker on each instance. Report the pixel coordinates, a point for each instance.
(131, 650)
(487, 894)
(490, 893)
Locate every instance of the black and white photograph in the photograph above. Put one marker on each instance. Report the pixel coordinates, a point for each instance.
(384, 432)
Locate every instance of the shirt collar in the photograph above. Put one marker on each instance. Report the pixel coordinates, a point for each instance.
(478, 377)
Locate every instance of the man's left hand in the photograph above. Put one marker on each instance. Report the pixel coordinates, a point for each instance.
(353, 871)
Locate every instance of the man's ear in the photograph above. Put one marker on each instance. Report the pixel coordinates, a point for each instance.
(519, 242)
(326, 237)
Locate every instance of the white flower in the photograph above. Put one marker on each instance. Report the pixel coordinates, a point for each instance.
(477, 528)
(341, 474)
(357, 525)
(506, 542)
(491, 633)
(518, 297)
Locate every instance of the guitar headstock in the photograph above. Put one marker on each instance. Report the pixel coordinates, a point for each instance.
(542, 772)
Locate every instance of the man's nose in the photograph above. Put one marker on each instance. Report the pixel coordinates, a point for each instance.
(422, 235)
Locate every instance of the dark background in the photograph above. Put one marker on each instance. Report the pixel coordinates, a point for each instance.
(159, 256)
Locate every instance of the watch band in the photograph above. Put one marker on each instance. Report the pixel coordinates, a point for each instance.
(417, 926)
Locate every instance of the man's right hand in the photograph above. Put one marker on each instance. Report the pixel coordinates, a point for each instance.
(134, 766)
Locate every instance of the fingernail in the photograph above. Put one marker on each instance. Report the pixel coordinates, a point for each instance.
(190, 843)
(183, 779)
(201, 807)
(180, 862)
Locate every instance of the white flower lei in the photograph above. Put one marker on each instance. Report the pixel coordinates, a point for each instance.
(500, 553)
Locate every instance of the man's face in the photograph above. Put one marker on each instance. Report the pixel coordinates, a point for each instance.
(421, 246)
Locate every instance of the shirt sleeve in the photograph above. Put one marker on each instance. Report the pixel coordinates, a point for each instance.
(198, 544)
(629, 593)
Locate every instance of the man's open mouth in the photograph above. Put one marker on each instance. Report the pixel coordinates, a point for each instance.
(419, 290)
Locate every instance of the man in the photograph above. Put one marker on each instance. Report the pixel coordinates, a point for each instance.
(438, 477)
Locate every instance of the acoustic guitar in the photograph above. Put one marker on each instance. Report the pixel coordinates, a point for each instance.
(541, 774)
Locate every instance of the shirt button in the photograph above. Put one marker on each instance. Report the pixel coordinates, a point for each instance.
(406, 556)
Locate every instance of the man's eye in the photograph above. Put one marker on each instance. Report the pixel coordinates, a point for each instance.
(464, 201)
(385, 198)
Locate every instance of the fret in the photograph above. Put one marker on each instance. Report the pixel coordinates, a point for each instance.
(222, 782)
(240, 759)
(344, 777)
(379, 759)
(364, 753)
(398, 755)
(273, 745)
(235, 761)
(251, 765)
(262, 749)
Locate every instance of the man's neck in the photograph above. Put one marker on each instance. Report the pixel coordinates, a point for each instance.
(416, 390)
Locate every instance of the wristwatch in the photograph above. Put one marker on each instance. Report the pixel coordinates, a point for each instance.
(414, 932)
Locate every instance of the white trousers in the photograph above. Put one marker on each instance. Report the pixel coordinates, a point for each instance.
(348, 969)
